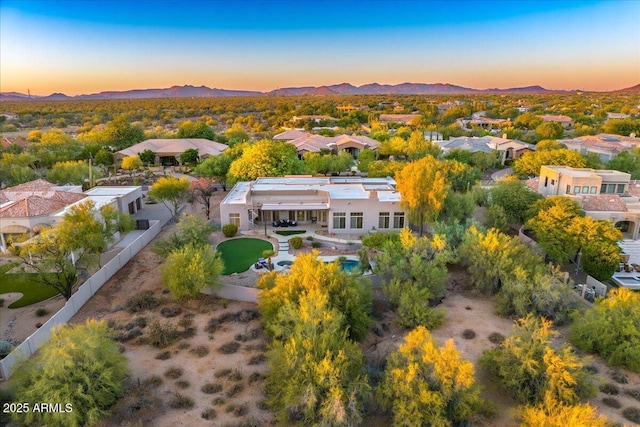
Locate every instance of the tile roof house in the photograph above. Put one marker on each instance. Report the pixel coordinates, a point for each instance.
(308, 142)
(508, 148)
(565, 121)
(167, 149)
(604, 145)
(28, 208)
(344, 205)
(603, 194)
(398, 118)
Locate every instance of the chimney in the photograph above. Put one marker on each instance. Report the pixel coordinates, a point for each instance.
(373, 194)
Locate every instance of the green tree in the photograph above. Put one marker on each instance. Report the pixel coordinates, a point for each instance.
(551, 413)
(627, 161)
(611, 328)
(340, 163)
(551, 223)
(495, 217)
(529, 163)
(147, 156)
(104, 157)
(316, 375)
(71, 172)
(190, 269)
(549, 130)
(171, 191)
(216, 167)
(55, 146)
(427, 385)
(599, 246)
(81, 366)
(527, 120)
(190, 156)
(121, 134)
(198, 129)
(235, 134)
(529, 368)
(266, 158)
(423, 187)
(191, 230)
(622, 126)
(347, 293)
(515, 198)
(365, 159)
(383, 168)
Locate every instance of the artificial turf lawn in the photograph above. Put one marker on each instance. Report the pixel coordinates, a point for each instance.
(26, 283)
(290, 232)
(239, 254)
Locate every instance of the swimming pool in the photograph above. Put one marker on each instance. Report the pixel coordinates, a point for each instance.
(347, 265)
(629, 282)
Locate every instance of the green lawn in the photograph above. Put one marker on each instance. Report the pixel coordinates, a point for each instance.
(290, 232)
(239, 254)
(25, 283)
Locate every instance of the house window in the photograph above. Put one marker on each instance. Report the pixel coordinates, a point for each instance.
(383, 220)
(398, 220)
(339, 220)
(585, 189)
(576, 189)
(620, 188)
(611, 188)
(553, 182)
(546, 180)
(568, 189)
(593, 190)
(356, 219)
(234, 218)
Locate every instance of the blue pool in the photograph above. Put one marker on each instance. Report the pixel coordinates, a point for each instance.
(347, 265)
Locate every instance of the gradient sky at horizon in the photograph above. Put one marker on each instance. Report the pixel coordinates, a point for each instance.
(77, 47)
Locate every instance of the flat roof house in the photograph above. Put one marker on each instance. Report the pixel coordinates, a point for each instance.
(344, 205)
(28, 208)
(167, 149)
(603, 194)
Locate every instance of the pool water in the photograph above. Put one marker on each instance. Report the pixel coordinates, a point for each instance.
(285, 263)
(347, 265)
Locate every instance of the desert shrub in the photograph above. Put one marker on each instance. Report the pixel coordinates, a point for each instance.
(609, 388)
(316, 245)
(468, 334)
(635, 393)
(183, 345)
(130, 334)
(262, 405)
(183, 384)
(235, 390)
(162, 335)
(218, 401)
(140, 322)
(141, 301)
(1, 302)
(378, 240)
(295, 242)
(256, 376)
(163, 356)
(310, 238)
(236, 375)
(257, 359)
(170, 311)
(200, 351)
(180, 401)
(152, 382)
(229, 230)
(632, 414)
(237, 409)
(496, 338)
(173, 373)
(42, 312)
(211, 388)
(619, 377)
(5, 348)
(222, 373)
(611, 402)
(208, 414)
(190, 269)
(229, 348)
(248, 336)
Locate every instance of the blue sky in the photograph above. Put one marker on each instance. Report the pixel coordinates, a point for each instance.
(88, 46)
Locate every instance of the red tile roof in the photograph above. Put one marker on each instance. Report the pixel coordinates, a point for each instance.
(31, 206)
(604, 203)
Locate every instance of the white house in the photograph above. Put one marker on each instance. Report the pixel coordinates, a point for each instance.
(605, 145)
(344, 205)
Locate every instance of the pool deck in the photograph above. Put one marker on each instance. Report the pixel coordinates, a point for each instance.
(625, 279)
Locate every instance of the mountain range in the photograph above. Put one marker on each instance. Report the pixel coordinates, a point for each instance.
(189, 91)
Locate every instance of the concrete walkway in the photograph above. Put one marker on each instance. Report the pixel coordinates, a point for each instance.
(501, 174)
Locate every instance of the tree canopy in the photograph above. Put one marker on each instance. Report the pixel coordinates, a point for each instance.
(191, 268)
(171, 191)
(515, 198)
(529, 163)
(265, 158)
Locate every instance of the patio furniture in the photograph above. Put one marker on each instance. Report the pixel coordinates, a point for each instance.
(627, 268)
(636, 267)
(285, 223)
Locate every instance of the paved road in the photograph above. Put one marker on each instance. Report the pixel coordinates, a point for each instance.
(501, 174)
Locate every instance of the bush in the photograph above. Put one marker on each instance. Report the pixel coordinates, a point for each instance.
(468, 334)
(180, 401)
(236, 375)
(295, 242)
(208, 414)
(162, 335)
(200, 351)
(237, 410)
(229, 348)
(163, 356)
(632, 414)
(141, 301)
(256, 360)
(183, 384)
(229, 230)
(235, 390)
(310, 238)
(173, 373)
(222, 373)
(218, 401)
(1, 302)
(609, 388)
(316, 245)
(5, 348)
(635, 393)
(211, 388)
(610, 401)
(378, 240)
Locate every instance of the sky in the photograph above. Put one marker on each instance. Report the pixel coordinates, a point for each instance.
(79, 47)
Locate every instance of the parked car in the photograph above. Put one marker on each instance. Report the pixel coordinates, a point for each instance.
(285, 223)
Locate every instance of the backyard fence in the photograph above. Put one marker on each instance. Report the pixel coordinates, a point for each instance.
(135, 241)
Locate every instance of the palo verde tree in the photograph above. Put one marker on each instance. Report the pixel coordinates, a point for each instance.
(190, 269)
(611, 328)
(215, 167)
(191, 230)
(82, 367)
(423, 185)
(529, 368)
(147, 156)
(265, 158)
(515, 198)
(202, 190)
(197, 129)
(71, 172)
(427, 385)
(171, 191)
(131, 163)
